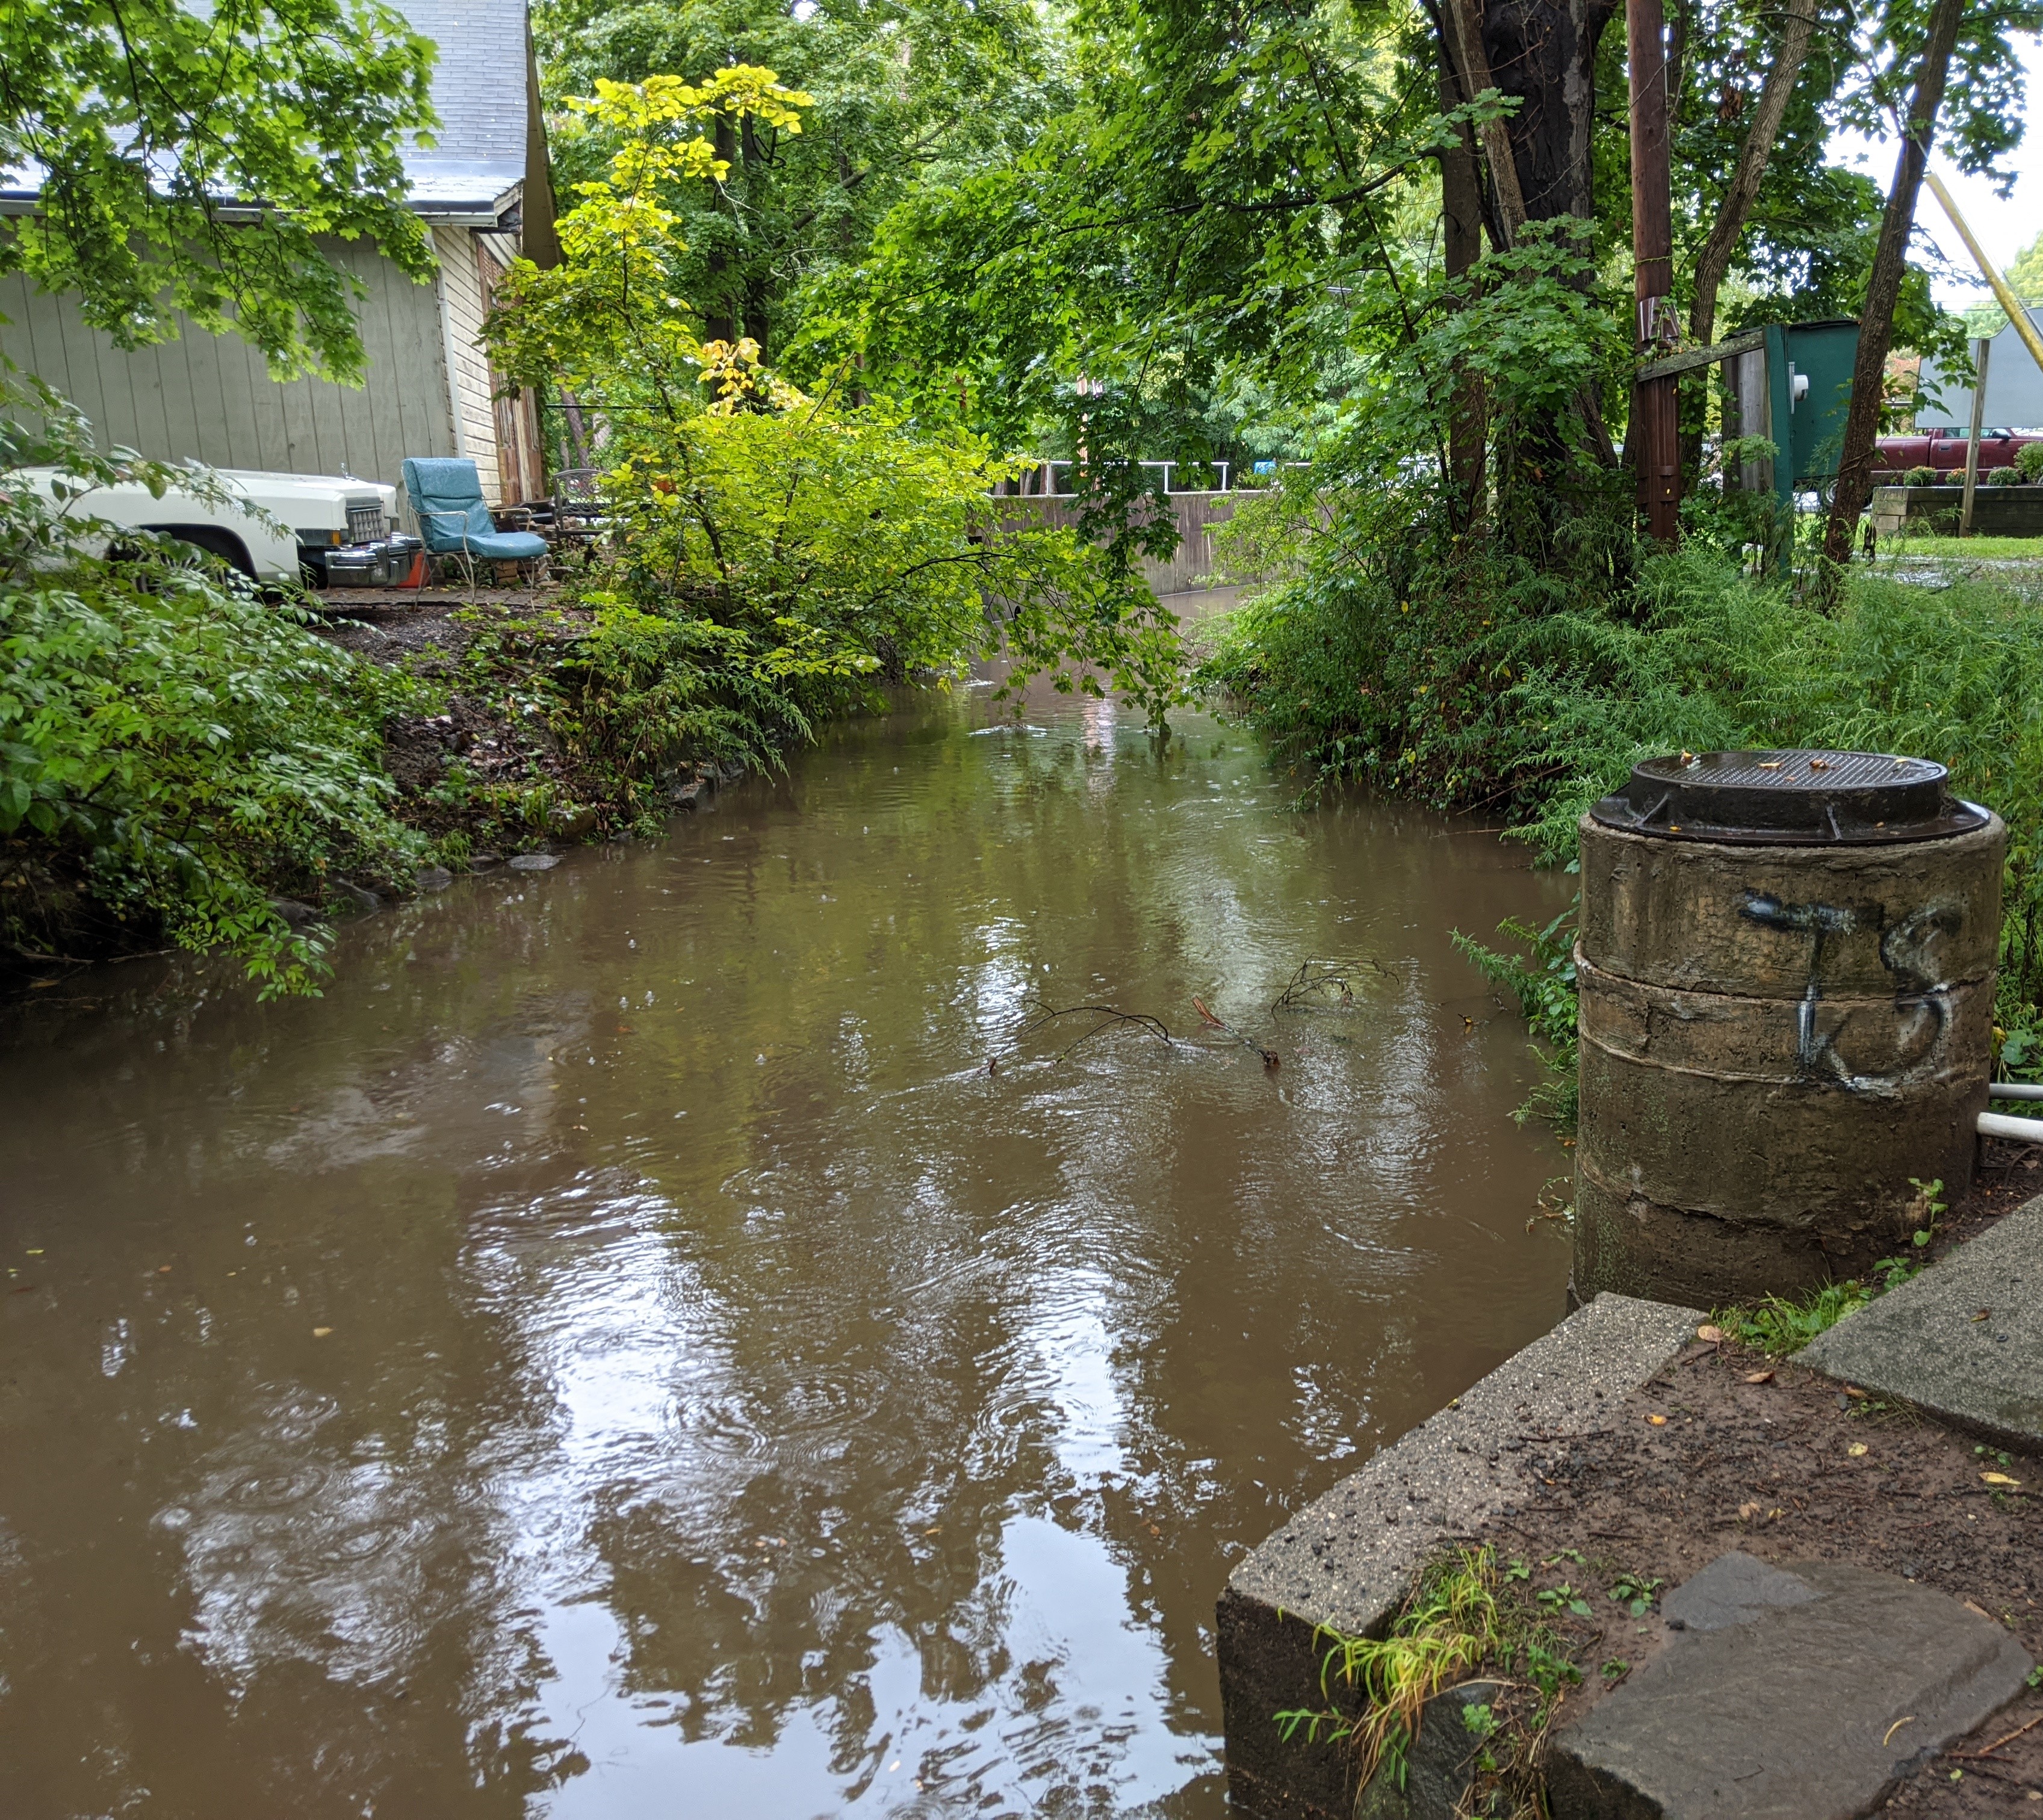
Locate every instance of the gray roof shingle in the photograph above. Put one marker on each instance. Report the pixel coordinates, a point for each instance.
(479, 92)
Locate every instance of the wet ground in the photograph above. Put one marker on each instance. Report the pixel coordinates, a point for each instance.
(622, 1353)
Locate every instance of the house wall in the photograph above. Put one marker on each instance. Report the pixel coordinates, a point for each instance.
(514, 413)
(210, 397)
(464, 305)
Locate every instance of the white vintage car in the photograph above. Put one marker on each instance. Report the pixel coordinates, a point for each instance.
(327, 530)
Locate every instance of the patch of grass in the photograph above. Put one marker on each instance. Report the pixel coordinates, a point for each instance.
(1449, 1624)
(1779, 1325)
(1998, 549)
(1467, 1616)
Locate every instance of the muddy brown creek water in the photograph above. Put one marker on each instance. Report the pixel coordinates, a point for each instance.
(620, 1353)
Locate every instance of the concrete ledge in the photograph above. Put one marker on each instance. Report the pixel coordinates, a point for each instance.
(1963, 1342)
(1347, 1559)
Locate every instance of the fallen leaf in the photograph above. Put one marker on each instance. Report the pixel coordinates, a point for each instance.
(321, 1332)
(1853, 1390)
(1896, 1726)
(163, 1269)
(1999, 1479)
(1775, 1513)
(1747, 1512)
(1856, 1449)
(1154, 1530)
(1759, 1377)
(1979, 1610)
(1658, 1421)
(1984, 1314)
(1711, 1334)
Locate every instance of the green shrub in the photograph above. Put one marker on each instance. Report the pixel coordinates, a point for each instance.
(1469, 680)
(174, 750)
(2009, 476)
(778, 553)
(2028, 460)
(1543, 981)
(1922, 476)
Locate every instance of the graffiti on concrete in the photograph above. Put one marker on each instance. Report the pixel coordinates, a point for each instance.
(1909, 950)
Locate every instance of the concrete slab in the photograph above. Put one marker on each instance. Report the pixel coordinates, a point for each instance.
(1348, 1560)
(1806, 1711)
(1926, 1342)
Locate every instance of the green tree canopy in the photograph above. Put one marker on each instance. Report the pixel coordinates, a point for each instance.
(189, 160)
(909, 93)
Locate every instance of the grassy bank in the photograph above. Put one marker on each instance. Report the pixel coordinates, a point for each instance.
(1477, 685)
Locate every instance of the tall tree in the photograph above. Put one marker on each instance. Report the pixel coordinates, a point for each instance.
(1918, 126)
(1460, 235)
(906, 91)
(1714, 261)
(190, 158)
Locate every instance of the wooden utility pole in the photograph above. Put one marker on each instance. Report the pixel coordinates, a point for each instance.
(1654, 439)
(1981, 351)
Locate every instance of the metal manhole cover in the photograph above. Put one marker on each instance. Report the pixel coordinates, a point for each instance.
(1790, 799)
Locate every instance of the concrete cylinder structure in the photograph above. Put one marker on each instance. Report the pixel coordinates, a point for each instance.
(1786, 969)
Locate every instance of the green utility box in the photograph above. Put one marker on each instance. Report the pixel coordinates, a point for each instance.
(1794, 388)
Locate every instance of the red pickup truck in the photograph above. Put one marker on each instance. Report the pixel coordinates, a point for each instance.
(1945, 449)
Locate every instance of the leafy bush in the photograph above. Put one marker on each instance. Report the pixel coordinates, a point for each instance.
(1543, 981)
(1462, 677)
(1921, 476)
(172, 749)
(777, 554)
(2028, 460)
(2005, 477)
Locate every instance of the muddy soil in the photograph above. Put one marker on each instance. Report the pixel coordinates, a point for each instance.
(495, 748)
(1728, 1449)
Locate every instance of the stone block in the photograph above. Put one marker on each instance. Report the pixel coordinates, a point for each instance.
(1734, 1589)
(1963, 1341)
(1348, 1560)
(1807, 1707)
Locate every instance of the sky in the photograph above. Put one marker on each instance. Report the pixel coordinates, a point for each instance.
(2004, 226)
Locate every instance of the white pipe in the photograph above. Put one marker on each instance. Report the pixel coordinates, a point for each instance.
(2021, 1130)
(2013, 1091)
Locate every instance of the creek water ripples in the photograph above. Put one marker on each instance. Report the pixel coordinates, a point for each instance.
(623, 1353)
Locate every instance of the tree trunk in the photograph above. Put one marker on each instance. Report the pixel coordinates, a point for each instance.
(719, 318)
(1461, 220)
(1714, 260)
(1464, 20)
(1544, 51)
(1875, 331)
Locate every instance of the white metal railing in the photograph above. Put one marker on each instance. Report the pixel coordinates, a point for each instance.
(1039, 480)
(2004, 1125)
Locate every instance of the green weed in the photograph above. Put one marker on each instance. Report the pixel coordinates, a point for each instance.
(1462, 1618)
(1543, 981)
(1779, 1325)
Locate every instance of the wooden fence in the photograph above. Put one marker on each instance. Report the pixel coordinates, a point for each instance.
(1198, 516)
